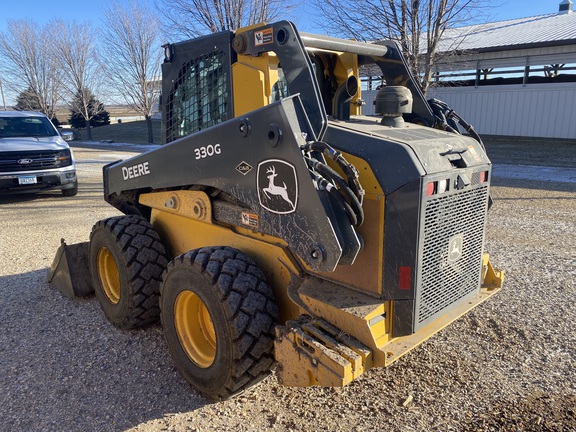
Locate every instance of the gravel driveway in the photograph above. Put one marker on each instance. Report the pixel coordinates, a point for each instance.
(507, 365)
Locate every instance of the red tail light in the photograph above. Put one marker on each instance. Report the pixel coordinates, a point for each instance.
(430, 188)
(404, 277)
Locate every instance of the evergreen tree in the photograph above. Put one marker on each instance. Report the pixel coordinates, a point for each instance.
(27, 100)
(94, 112)
(102, 118)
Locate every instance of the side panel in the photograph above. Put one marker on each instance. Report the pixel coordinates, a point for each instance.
(258, 161)
(183, 233)
(365, 274)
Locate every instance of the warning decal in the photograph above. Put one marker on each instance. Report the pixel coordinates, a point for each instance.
(250, 219)
(264, 37)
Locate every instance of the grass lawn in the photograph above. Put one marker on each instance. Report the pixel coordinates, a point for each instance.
(134, 132)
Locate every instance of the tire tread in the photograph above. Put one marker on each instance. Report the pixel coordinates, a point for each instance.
(146, 260)
(248, 302)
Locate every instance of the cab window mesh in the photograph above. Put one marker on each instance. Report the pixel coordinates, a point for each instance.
(199, 96)
(280, 89)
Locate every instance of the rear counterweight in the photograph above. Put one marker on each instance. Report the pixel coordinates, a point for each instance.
(436, 188)
(434, 238)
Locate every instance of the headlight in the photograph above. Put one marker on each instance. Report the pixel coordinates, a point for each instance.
(63, 158)
(442, 185)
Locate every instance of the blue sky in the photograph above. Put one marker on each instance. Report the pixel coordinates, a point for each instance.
(43, 11)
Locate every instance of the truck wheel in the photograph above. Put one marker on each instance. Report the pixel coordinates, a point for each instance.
(126, 263)
(219, 315)
(70, 192)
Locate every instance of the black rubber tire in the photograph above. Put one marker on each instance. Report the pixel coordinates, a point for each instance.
(140, 259)
(242, 311)
(70, 192)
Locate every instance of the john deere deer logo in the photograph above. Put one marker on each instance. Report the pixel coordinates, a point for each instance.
(455, 248)
(277, 186)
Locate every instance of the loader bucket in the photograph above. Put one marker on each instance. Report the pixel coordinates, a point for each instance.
(70, 272)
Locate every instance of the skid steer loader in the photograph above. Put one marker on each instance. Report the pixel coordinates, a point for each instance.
(280, 227)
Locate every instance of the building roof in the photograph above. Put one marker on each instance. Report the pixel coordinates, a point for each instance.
(542, 30)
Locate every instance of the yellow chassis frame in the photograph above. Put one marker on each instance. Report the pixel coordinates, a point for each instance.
(350, 333)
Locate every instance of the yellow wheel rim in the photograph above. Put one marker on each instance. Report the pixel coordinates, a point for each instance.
(195, 328)
(109, 275)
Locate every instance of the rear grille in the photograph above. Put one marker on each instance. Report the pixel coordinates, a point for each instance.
(454, 221)
(36, 160)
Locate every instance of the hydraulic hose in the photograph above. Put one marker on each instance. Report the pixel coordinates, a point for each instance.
(349, 170)
(352, 200)
(447, 119)
(468, 128)
(324, 184)
(350, 188)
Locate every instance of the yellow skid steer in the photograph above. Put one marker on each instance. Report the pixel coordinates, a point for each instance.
(280, 227)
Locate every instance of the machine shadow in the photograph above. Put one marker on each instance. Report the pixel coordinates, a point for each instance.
(95, 376)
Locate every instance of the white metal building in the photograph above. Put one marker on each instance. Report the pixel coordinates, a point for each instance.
(515, 77)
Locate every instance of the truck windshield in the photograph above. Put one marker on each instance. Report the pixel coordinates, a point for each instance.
(37, 127)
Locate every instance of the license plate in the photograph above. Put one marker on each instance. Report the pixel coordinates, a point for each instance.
(26, 180)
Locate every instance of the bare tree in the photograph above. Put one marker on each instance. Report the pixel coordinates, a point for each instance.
(132, 54)
(417, 25)
(192, 18)
(29, 63)
(73, 45)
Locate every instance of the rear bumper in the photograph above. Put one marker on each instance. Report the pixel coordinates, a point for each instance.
(348, 334)
(402, 345)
